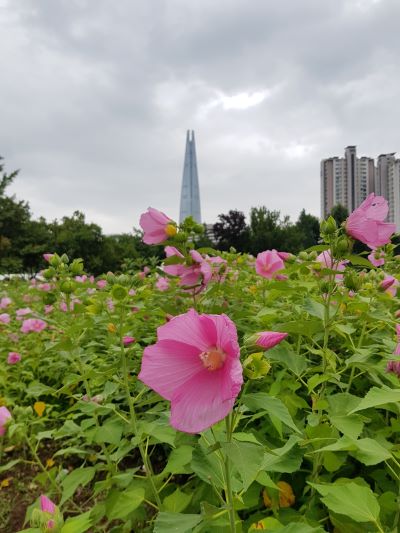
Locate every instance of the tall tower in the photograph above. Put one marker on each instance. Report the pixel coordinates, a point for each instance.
(190, 194)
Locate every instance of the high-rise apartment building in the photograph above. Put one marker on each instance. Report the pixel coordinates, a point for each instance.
(350, 179)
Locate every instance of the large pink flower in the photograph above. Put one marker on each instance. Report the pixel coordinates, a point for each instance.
(267, 263)
(366, 223)
(325, 260)
(4, 302)
(195, 364)
(5, 415)
(157, 226)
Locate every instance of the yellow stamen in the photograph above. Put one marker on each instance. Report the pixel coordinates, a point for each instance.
(213, 359)
(170, 230)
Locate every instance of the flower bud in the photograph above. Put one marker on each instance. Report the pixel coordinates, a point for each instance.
(55, 260)
(49, 273)
(65, 259)
(119, 292)
(67, 287)
(328, 226)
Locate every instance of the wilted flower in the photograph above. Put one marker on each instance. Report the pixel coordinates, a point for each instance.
(269, 262)
(33, 324)
(13, 358)
(157, 226)
(366, 223)
(5, 415)
(195, 364)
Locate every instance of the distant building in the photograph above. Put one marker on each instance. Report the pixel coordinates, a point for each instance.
(350, 179)
(190, 193)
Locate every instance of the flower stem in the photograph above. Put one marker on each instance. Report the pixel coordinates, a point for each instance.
(227, 465)
(133, 422)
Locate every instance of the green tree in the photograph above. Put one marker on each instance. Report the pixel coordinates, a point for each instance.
(339, 213)
(308, 225)
(232, 230)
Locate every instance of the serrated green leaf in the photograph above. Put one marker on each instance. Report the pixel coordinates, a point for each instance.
(350, 499)
(76, 478)
(176, 522)
(177, 501)
(121, 504)
(77, 524)
(273, 406)
(376, 397)
(246, 458)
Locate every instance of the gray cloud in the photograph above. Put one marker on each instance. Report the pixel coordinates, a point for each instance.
(96, 97)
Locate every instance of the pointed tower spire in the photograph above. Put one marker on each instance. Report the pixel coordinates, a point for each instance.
(190, 193)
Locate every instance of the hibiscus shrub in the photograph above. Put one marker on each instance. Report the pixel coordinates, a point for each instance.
(220, 392)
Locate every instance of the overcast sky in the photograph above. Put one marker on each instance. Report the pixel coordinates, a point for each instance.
(96, 97)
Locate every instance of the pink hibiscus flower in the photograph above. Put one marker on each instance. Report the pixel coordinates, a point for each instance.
(157, 226)
(366, 223)
(162, 284)
(5, 302)
(195, 364)
(197, 275)
(13, 358)
(5, 318)
(377, 258)
(5, 415)
(33, 324)
(268, 262)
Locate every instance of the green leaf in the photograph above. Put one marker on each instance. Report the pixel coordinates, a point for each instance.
(294, 362)
(207, 467)
(9, 465)
(110, 432)
(246, 458)
(77, 524)
(370, 452)
(299, 527)
(350, 499)
(350, 425)
(286, 459)
(176, 522)
(377, 397)
(314, 308)
(273, 406)
(358, 260)
(120, 504)
(177, 501)
(74, 479)
(179, 460)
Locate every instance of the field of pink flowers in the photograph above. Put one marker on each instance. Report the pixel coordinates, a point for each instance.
(217, 392)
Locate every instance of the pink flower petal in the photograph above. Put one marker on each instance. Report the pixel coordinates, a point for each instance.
(169, 364)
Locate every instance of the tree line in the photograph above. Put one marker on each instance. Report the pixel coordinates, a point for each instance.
(23, 240)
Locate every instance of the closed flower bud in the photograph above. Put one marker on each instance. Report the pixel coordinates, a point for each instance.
(65, 259)
(67, 287)
(49, 273)
(119, 292)
(55, 260)
(342, 246)
(76, 267)
(328, 226)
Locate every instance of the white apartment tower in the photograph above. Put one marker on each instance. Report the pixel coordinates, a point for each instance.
(350, 179)
(346, 180)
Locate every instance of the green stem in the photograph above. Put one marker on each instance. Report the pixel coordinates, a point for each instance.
(228, 492)
(133, 421)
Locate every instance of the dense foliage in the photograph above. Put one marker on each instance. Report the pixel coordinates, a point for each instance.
(310, 446)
